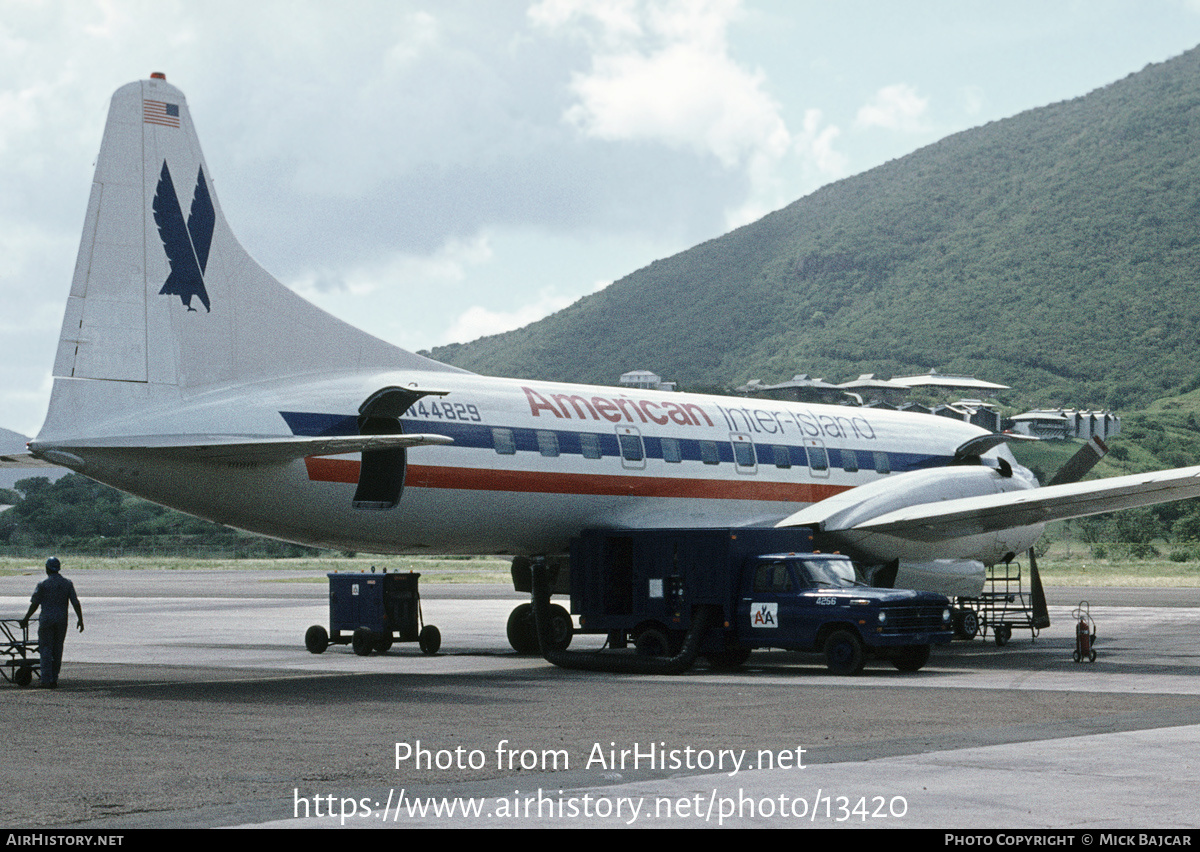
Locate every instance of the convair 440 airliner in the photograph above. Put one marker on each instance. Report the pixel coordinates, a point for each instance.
(188, 375)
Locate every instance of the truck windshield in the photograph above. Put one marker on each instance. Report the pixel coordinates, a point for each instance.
(830, 572)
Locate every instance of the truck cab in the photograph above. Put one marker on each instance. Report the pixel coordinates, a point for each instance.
(817, 602)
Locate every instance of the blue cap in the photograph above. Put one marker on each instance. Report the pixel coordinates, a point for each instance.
(52, 564)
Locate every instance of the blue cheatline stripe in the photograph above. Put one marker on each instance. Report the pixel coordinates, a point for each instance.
(479, 436)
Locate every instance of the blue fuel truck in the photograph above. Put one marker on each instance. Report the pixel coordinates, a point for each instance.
(674, 594)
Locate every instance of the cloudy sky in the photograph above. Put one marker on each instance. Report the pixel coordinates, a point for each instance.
(438, 171)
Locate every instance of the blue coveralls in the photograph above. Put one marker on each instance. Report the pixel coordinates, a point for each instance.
(53, 594)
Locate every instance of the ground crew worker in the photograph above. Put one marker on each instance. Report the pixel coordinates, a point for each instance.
(52, 595)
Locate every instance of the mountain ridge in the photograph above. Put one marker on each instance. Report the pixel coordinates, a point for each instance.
(1054, 250)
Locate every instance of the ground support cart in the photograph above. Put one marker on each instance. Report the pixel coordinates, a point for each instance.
(20, 657)
(370, 611)
(1000, 607)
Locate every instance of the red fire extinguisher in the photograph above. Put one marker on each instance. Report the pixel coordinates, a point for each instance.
(1085, 634)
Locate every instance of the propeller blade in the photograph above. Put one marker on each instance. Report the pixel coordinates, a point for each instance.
(1079, 464)
(1074, 470)
(1041, 612)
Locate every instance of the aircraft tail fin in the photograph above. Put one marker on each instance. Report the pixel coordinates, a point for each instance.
(164, 300)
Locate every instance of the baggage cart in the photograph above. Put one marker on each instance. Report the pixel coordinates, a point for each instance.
(20, 657)
(371, 611)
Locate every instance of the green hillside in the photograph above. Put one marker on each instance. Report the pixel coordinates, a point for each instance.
(1056, 251)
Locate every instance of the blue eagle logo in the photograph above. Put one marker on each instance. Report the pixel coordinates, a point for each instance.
(186, 244)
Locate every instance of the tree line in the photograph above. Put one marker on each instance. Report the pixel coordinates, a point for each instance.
(75, 514)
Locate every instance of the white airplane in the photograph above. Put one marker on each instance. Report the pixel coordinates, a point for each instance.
(187, 375)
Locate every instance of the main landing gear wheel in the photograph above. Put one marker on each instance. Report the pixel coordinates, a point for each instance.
(844, 653)
(562, 629)
(522, 632)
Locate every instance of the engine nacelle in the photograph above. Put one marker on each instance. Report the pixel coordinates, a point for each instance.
(951, 577)
(942, 562)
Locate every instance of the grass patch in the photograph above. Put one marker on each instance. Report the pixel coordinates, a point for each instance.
(433, 569)
(1071, 563)
(1065, 564)
(1086, 571)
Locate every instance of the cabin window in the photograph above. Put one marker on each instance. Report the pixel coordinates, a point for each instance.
(670, 450)
(817, 459)
(589, 445)
(503, 441)
(882, 463)
(783, 458)
(547, 443)
(709, 453)
(850, 461)
(743, 453)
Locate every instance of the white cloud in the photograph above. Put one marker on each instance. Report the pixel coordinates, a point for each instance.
(617, 20)
(477, 321)
(682, 96)
(662, 73)
(397, 273)
(895, 107)
(816, 144)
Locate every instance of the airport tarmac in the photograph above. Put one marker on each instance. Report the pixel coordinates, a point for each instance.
(190, 702)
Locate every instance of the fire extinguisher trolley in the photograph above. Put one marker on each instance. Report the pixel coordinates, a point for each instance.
(1085, 634)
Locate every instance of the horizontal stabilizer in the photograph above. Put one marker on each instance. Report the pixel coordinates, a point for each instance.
(19, 460)
(972, 515)
(247, 449)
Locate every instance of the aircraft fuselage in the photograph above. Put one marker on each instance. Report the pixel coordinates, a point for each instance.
(531, 463)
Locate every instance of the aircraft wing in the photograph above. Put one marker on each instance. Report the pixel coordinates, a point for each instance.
(237, 448)
(973, 515)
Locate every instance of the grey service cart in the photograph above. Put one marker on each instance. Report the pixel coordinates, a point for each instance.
(370, 611)
(20, 656)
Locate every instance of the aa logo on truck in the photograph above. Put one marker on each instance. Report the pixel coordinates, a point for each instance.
(764, 615)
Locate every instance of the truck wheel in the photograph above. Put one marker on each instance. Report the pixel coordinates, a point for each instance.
(362, 641)
(383, 641)
(430, 639)
(728, 660)
(521, 632)
(911, 659)
(843, 653)
(652, 642)
(316, 640)
(966, 624)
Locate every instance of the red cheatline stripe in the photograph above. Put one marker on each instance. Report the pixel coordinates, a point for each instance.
(471, 479)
